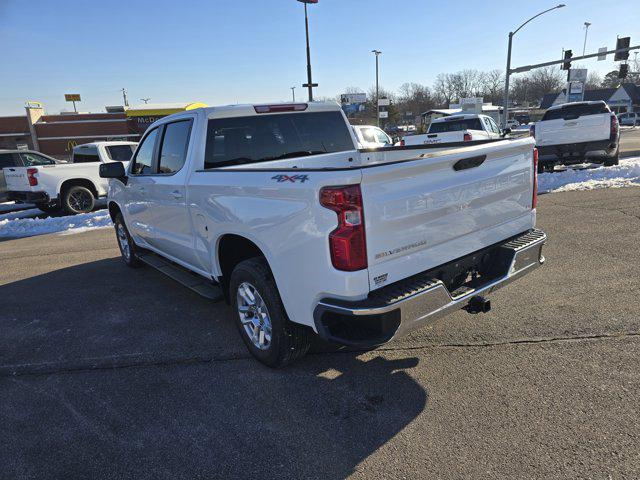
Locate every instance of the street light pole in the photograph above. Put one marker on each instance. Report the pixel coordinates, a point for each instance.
(293, 93)
(377, 53)
(586, 30)
(309, 83)
(505, 113)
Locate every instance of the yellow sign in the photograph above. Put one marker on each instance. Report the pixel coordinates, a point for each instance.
(72, 97)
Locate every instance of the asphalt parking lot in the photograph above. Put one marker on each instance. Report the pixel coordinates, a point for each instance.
(108, 372)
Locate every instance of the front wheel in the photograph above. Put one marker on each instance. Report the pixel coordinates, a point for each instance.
(260, 316)
(128, 248)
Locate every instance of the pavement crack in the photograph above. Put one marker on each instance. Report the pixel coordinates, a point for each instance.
(126, 361)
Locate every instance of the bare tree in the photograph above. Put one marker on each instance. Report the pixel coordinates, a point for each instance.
(594, 80)
(492, 86)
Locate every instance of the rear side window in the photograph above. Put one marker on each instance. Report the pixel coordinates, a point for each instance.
(120, 153)
(571, 112)
(456, 125)
(264, 137)
(85, 155)
(173, 151)
(143, 161)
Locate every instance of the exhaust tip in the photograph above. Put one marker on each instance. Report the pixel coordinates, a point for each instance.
(478, 304)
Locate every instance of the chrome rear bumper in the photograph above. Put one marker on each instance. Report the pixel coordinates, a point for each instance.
(397, 309)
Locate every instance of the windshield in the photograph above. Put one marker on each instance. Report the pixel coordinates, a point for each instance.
(34, 160)
(570, 112)
(260, 138)
(120, 153)
(455, 125)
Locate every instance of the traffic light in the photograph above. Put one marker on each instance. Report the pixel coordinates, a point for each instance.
(623, 42)
(624, 70)
(567, 60)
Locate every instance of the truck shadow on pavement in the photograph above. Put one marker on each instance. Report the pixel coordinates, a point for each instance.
(114, 373)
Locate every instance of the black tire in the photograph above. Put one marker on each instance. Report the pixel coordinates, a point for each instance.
(289, 341)
(130, 257)
(610, 162)
(78, 199)
(48, 208)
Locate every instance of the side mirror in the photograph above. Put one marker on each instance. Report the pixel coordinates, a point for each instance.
(506, 131)
(112, 170)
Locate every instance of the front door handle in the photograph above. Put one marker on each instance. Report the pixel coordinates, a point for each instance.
(176, 194)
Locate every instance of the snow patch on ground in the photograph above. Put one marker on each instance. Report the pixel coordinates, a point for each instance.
(627, 174)
(26, 227)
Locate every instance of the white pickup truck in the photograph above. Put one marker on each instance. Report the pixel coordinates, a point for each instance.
(457, 128)
(276, 209)
(574, 132)
(73, 186)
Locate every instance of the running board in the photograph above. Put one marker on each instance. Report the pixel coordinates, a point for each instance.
(195, 282)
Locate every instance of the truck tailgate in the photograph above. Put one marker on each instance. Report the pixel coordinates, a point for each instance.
(587, 128)
(17, 180)
(432, 208)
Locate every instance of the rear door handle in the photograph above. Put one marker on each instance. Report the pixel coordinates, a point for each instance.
(176, 194)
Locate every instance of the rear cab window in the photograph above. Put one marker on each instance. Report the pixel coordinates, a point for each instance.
(456, 125)
(85, 155)
(120, 153)
(265, 137)
(571, 112)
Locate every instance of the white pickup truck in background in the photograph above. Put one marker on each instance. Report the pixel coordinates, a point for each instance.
(457, 128)
(574, 132)
(275, 208)
(73, 186)
(370, 136)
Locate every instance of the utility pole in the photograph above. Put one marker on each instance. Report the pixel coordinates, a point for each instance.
(309, 83)
(124, 96)
(586, 30)
(293, 93)
(377, 53)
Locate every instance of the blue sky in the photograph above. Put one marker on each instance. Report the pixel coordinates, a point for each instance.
(225, 51)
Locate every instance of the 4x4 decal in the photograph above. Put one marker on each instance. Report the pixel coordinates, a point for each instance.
(290, 178)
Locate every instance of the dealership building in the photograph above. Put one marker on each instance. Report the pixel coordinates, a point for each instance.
(56, 135)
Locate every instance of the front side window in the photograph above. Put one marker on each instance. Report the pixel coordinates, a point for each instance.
(493, 126)
(143, 161)
(173, 151)
(120, 153)
(368, 135)
(86, 155)
(264, 137)
(34, 160)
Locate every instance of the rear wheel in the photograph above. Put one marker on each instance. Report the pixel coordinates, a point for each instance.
(611, 161)
(78, 199)
(128, 248)
(260, 316)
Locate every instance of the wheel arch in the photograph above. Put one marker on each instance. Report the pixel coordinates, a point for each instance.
(231, 249)
(114, 210)
(81, 182)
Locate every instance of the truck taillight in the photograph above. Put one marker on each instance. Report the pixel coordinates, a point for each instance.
(614, 127)
(31, 175)
(534, 199)
(347, 243)
(466, 137)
